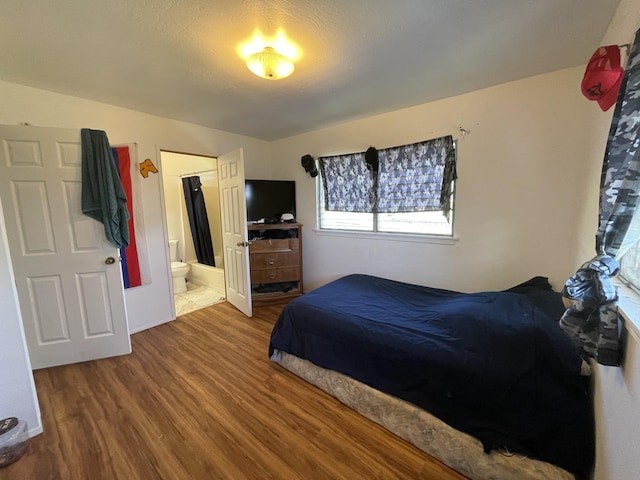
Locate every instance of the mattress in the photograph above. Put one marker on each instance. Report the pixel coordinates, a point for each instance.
(456, 449)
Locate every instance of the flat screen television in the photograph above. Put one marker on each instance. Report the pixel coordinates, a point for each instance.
(268, 199)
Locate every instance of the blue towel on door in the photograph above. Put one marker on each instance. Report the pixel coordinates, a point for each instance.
(103, 196)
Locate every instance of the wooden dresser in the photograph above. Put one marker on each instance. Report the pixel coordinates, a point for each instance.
(275, 256)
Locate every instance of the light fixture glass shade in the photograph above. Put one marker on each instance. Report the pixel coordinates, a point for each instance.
(270, 64)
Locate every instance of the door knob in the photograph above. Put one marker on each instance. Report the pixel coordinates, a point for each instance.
(243, 244)
(110, 260)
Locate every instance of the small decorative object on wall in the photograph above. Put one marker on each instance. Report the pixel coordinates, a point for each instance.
(309, 164)
(603, 77)
(146, 167)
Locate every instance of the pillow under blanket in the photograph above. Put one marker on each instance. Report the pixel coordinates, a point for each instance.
(541, 294)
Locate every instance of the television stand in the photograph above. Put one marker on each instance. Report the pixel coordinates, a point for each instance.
(275, 258)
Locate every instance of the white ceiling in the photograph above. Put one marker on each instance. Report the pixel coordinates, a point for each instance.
(179, 59)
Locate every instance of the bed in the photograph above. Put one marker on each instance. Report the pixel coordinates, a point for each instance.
(486, 382)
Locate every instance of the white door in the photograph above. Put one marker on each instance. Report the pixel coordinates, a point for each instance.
(71, 296)
(233, 207)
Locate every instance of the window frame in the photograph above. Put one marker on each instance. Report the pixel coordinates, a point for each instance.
(625, 279)
(629, 306)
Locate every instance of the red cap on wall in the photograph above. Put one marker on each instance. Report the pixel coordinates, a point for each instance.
(603, 76)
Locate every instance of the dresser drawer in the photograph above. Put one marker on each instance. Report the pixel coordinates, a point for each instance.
(273, 275)
(274, 245)
(273, 260)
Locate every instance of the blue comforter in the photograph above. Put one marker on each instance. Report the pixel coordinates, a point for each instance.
(490, 364)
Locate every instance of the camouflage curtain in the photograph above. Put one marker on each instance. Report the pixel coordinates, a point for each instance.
(411, 178)
(592, 319)
(348, 185)
(620, 181)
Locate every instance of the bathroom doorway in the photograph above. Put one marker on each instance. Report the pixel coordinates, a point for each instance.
(196, 285)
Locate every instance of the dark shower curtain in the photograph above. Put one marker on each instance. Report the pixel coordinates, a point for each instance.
(198, 220)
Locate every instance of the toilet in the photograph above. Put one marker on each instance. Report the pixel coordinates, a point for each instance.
(179, 269)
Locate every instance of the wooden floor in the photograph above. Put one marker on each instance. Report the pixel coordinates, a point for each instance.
(199, 399)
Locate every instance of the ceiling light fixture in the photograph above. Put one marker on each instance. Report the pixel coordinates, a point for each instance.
(270, 64)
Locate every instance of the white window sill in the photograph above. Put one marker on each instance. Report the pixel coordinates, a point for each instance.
(629, 308)
(398, 237)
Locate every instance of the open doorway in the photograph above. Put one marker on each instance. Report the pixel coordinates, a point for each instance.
(198, 278)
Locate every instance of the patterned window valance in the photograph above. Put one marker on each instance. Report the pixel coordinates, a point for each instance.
(411, 178)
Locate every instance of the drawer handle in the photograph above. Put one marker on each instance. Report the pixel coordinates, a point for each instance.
(272, 275)
(271, 261)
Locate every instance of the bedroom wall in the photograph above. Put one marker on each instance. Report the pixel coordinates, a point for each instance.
(617, 404)
(520, 193)
(18, 393)
(147, 305)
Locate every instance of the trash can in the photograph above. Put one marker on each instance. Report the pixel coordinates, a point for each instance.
(14, 439)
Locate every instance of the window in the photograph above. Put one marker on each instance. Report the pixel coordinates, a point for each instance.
(629, 251)
(409, 191)
(630, 267)
(629, 287)
(629, 274)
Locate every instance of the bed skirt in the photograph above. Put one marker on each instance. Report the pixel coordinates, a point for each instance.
(456, 449)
